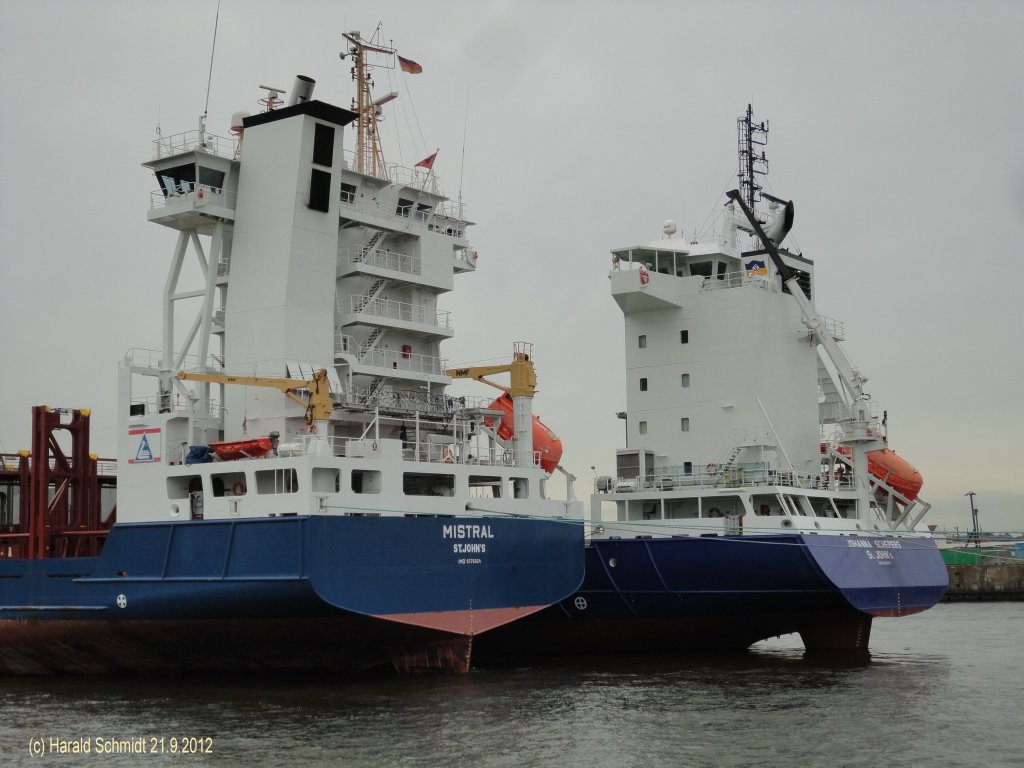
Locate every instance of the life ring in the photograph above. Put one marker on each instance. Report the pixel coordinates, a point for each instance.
(712, 468)
(449, 456)
(645, 276)
(238, 489)
(714, 512)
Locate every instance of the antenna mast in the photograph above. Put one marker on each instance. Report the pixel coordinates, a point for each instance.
(752, 164)
(369, 157)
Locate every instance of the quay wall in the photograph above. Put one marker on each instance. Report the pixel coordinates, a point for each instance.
(990, 582)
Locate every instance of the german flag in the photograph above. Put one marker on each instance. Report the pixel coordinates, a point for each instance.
(409, 66)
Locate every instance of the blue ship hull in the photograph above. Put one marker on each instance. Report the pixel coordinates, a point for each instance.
(288, 592)
(726, 593)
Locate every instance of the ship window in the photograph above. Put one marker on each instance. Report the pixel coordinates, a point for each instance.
(404, 207)
(681, 509)
(803, 280)
(366, 480)
(485, 486)
(348, 193)
(703, 269)
(177, 181)
(766, 505)
(642, 342)
(319, 190)
(276, 481)
(180, 487)
(723, 506)
(520, 487)
(326, 480)
(323, 145)
(684, 424)
(685, 379)
(687, 467)
(208, 177)
(795, 508)
(847, 508)
(643, 385)
(822, 507)
(423, 211)
(428, 484)
(228, 484)
(643, 427)
(684, 337)
(722, 266)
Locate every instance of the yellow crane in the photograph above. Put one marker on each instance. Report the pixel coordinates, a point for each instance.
(522, 377)
(318, 408)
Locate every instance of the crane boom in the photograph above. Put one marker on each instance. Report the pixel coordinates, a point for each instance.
(522, 376)
(850, 376)
(319, 407)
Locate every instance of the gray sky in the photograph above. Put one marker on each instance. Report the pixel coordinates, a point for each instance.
(894, 127)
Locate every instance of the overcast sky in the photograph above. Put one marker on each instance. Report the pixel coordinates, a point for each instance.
(894, 127)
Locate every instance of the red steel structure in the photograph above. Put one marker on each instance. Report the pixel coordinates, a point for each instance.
(58, 492)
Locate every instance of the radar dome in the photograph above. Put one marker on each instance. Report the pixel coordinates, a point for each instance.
(237, 118)
(669, 227)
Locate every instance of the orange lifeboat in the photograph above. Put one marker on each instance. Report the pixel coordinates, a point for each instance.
(892, 469)
(896, 471)
(242, 449)
(545, 442)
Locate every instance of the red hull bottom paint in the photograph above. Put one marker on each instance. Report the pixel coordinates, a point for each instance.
(464, 622)
(340, 644)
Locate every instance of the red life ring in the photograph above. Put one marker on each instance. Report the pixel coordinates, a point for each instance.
(711, 468)
(645, 276)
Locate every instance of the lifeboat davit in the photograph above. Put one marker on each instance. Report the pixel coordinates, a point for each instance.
(545, 442)
(892, 469)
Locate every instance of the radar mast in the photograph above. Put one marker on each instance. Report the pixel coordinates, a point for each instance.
(369, 157)
(752, 164)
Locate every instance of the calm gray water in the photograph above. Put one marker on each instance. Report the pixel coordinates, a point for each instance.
(944, 688)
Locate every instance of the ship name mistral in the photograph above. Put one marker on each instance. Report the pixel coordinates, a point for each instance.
(466, 532)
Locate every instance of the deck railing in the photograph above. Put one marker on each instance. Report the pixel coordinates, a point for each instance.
(399, 310)
(221, 146)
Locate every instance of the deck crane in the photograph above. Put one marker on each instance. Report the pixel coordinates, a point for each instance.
(857, 430)
(522, 387)
(318, 408)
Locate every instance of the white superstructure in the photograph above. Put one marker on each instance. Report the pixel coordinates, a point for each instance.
(743, 413)
(313, 257)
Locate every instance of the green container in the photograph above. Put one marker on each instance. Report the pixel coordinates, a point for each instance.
(974, 555)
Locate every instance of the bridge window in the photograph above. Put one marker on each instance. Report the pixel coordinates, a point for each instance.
(208, 177)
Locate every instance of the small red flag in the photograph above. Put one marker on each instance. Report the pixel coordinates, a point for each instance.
(410, 66)
(427, 162)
